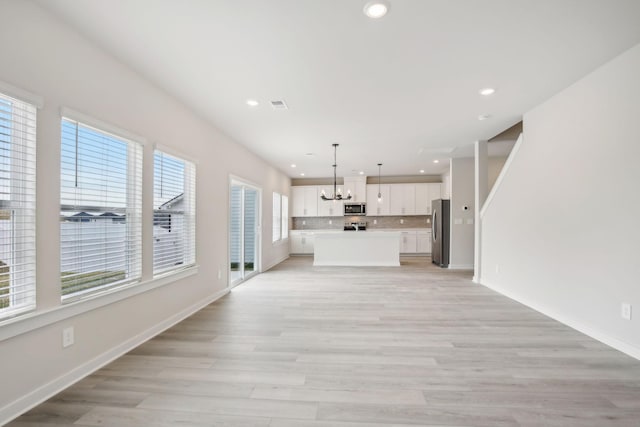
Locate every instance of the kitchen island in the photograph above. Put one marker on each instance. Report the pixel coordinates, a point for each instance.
(357, 248)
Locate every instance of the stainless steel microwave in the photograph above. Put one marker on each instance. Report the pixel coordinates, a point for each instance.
(355, 209)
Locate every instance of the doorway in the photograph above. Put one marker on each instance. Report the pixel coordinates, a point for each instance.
(244, 231)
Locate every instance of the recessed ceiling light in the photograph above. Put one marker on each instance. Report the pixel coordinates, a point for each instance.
(487, 91)
(293, 165)
(361, 172)
(252, 103)
(436, 161)
(301, 173)
(421, 170)
(376, 9)
(484, 116)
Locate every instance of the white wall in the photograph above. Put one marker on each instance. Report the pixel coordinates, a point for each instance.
(462, 194)
(563, 228)
(41, 55)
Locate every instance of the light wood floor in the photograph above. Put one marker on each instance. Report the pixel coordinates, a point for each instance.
(301, 346)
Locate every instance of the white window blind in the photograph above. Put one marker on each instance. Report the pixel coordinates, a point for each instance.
(285, 217)
(100, 209)
(277, 218)
(174, 213)
(17, 206)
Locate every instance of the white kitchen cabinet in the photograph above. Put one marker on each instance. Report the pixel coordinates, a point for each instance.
(425, 194)
(408, 242)
(301, 242)
(357, 186)
(375, 208)
(402, 199)
(304, 201)
(423, 242)
(423, 200)
(329, 207)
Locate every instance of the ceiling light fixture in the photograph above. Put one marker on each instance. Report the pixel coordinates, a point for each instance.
(337, 194)
(487, 91)
(379, 192)
(484, 116)
(361, 172)
(293, 165)
(376, 9)
(436, 161)
(301, 173)
(421, 170)
(252, 103)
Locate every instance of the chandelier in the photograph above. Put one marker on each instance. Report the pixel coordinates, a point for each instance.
(337, 194)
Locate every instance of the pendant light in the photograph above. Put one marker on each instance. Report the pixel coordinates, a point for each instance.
(379, 192)
(337, 195)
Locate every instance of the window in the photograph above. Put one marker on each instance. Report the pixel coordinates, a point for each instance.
(174, 222)
(17, 206)
(277, 218)
(285, 217)
(280, 217)
(100, 209)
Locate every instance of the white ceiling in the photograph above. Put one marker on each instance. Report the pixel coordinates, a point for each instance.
(402, 90)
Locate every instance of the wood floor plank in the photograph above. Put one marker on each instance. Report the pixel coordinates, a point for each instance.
(312, 346)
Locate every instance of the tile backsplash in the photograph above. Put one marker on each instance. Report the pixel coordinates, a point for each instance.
(337, 222)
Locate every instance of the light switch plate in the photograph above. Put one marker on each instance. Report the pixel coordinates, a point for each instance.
(67, 337)
(625, 311)
(457, 221)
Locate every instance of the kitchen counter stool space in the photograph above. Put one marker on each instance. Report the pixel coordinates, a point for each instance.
(349, 248)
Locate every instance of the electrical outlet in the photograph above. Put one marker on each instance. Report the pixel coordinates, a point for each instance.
(375, 221)
(625, 311)
(219, 274)
(67, 337)
(304, 222)
(330, 222)
(402, 221)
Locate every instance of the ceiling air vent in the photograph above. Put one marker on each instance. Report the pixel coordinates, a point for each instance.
(279, 105)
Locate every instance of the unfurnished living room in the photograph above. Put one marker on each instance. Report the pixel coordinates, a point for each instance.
(335, 213)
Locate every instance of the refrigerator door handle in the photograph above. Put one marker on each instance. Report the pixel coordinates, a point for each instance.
(434, 225)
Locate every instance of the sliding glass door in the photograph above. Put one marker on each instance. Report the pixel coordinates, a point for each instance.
(244, 231)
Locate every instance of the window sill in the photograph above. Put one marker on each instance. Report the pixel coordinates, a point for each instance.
(37, 319)
(281, 242)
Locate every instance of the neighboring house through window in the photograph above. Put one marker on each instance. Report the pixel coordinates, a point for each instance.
(100, 209)
(174, 229)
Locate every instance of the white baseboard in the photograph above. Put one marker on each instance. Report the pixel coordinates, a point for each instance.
(628, 349)
(460, 266)
(39, 395)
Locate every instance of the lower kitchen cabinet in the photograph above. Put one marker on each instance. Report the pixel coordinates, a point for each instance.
(301, 242)
(415, 242)
(424, 242)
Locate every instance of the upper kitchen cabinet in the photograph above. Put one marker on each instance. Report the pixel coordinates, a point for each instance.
(357, 186)
(304, 201)
(425, 193)
(330, 207)
(402, 199)
(375, 207)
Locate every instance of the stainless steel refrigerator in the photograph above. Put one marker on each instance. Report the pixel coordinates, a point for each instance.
(440, 232)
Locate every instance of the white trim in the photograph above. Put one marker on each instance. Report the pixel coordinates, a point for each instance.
(30, 400)
(174, 153)
(460, 267)
(588, 330)
(38, 319)
(21, 94)
(100, 125)
(503, 172)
